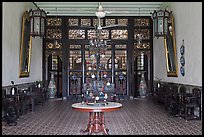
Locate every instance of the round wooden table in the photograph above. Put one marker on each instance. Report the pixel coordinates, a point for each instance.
(96, 115)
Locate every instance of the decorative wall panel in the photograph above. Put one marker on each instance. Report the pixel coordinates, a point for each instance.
(73, 22)
(119, 34)
(54, 21)
(76, 34)
(54, 34)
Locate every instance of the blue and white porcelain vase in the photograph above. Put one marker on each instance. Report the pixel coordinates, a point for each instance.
(52, 87)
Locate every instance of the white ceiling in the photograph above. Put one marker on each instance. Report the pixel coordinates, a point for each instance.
(89, 8)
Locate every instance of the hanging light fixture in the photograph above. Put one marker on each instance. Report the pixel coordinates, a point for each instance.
(100, 12)
(37, 18)
(97, 45)
(160, 20)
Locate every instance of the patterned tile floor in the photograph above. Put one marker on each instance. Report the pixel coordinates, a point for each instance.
(137, 117)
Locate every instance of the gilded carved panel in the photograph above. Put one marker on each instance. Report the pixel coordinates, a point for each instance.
(145, 34)
(123, 22)
(53, 45)
(73, 22)
(110, 22)
(85, 22)
(53, 33)
(54, 21)
(76, 34)
(141, 22)
(119, 34)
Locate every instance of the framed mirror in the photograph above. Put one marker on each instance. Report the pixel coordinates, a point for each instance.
(170, 49)
(25, 46)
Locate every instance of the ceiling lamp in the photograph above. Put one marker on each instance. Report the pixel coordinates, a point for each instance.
(160, 20)
(100, 12)
(37, 18)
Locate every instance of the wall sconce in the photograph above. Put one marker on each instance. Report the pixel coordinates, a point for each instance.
(37, 18)
(160, 20)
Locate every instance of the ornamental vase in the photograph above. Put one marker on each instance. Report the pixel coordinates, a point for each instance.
(142, 86)
(52, 87)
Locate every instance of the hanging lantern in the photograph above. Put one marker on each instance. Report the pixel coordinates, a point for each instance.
(160, 20)
(37, 18)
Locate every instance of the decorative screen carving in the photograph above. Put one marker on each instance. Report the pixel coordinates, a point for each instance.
(76, 34)
(121, 56)
(85, 22)
(110, 22)
(144, 32)
(91, 34)
(54, 21)
(81, 29)
(95, 22)
(123, 22)
(75, 46)
(141, 22)
(53, 46)
(144, 45)
(73, 22)
(120, 46)
(105, 34)
(119, 34)
(75, 60)
(54, 34)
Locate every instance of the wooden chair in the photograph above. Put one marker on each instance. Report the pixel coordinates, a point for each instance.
(172, 101)
(26, 95)
(15, 97)
(190, 102)
(38, 95)
(160, 92)
(10, 111)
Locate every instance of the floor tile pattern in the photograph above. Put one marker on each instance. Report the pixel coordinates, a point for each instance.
(136, 117)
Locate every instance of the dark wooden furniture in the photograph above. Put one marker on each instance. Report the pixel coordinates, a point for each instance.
(190, 102)
(160, 93)
(10, 112)
(172, 100)
(16, 98)
(96, 115)
(26, 100)
(37, 96)
(11, 106)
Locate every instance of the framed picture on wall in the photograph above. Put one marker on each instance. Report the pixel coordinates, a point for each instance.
(25, 46)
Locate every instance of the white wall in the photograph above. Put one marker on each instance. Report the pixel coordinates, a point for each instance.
(188, 26)
(11, 35)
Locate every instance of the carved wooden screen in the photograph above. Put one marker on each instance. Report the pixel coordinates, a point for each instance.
(73, 35)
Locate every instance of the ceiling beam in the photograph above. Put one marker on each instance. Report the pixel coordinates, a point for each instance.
(85, 14)
(104, 7)
(96, 3)
(89, 8)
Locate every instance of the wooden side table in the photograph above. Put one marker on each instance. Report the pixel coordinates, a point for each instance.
(96, 115)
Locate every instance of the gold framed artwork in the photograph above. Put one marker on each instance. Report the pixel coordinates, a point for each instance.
(170, 49)
(25, 46)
